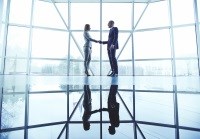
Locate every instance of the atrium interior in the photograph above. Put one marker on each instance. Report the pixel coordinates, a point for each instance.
(44, 90)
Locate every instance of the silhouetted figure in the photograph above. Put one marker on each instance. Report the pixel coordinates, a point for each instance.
(87, 48)
(112, 46)
(113, 109)
(87, 105)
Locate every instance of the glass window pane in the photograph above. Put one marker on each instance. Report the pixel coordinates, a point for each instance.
(185, 42)
(18, 134)
(95, 67)
(161, 67)
(188, 134)
(12, 84)
(76, 68)
(187, 67)
(17, 41)
(48, 83)
(74, 97)
(76, 50)
(49, 43)
(13, 111)
(154, 107)
(151, 18)
(126, 54)
(189, 109)
(104, 47)
(189, 83)
(157, 132)
(125, 68)
(49, 67)
(150, 44)
(122, 19)
(15, 66)
(0, 64)
(198, 6)
(159, 83)
(50, 17)
(106, 68)
(44, 109)
(20, 13)
(92, 133)
(47, 132)
(2, 31)
(127, 97)
(85, 13)
(4, 8)
(182, 12)
(124, 131)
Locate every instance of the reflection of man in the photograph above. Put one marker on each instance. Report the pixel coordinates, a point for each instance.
(113, 109)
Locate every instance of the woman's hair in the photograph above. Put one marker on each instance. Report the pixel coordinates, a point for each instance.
(87, 27)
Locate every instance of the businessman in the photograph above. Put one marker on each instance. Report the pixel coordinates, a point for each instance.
(112, 45)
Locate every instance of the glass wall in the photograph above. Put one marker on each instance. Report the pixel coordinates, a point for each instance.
(32, 42)
(42, 42)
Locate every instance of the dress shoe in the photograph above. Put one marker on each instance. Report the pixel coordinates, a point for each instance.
(87, 73)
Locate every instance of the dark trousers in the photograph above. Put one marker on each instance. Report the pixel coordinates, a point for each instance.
(113, 60)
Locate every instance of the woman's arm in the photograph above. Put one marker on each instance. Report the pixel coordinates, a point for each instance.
(88, 37)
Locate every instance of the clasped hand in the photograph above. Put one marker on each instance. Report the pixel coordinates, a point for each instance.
(99, 42)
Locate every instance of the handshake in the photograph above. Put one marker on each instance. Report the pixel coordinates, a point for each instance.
(100, 42)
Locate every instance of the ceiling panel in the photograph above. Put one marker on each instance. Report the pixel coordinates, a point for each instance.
(104, 1)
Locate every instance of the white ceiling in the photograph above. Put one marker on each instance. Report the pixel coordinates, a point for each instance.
(104, 1)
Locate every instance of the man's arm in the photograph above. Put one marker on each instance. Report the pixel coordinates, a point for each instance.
(115, 38)
(104, 42)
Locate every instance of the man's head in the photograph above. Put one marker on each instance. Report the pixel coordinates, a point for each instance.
(110, 24)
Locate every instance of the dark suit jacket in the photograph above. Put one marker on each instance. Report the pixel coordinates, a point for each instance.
(112, 38)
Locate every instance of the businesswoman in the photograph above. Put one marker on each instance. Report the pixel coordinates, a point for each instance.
(87, 48)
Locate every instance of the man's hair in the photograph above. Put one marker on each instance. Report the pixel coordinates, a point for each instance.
(112, 22)
(86, 28)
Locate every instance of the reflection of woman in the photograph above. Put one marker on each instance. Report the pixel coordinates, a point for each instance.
(113, 109)
(87, 107)
(87, 48)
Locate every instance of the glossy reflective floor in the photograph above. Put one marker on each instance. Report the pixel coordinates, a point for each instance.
(99, 107)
